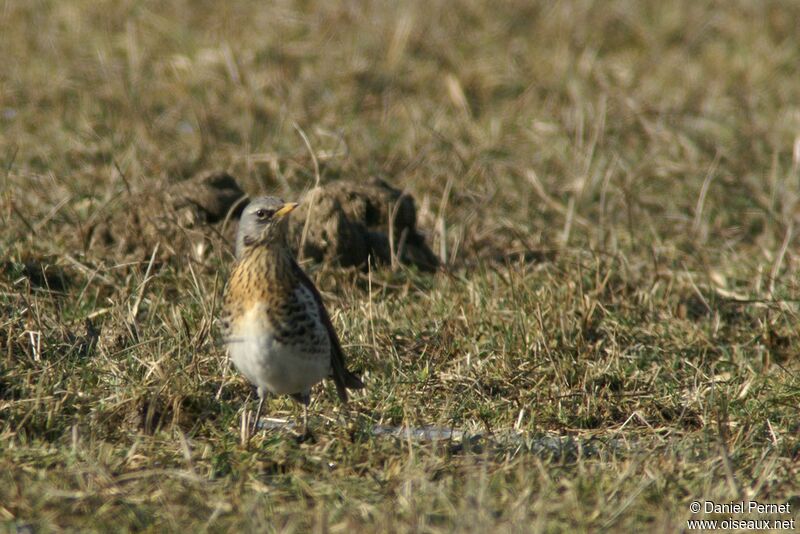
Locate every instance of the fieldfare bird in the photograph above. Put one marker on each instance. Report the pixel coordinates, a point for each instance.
(277, 331)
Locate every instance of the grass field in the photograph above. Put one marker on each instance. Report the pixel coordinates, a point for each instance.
(612, 188)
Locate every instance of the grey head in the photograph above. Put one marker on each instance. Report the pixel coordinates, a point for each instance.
(263, 221)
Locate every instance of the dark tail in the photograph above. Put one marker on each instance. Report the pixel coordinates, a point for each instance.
(352, 381)
(345, 380)
(341, 376)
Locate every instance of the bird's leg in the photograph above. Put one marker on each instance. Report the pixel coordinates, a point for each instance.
(258, 410)
(305, 418)
(305, 400)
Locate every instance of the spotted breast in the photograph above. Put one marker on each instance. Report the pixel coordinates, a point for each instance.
(274, 331)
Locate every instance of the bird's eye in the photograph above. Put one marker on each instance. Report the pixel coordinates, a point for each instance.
(264, 214)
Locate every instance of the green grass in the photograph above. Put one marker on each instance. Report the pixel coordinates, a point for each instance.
(613, 187)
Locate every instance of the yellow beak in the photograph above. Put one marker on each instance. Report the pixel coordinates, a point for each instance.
(286, 209)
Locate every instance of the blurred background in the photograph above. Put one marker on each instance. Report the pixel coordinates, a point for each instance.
(522, 124)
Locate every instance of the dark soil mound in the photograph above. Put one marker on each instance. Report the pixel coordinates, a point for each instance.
(342, 223)
(346, 223)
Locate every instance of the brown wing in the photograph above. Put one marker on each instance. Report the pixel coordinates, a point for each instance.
(341, 376)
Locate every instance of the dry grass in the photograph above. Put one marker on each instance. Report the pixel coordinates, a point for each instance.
(613, 187)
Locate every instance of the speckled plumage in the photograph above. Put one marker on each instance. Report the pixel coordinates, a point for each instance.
(276, 328)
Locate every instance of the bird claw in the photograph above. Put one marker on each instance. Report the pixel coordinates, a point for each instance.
(306, 437)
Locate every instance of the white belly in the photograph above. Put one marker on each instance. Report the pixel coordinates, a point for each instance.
(273, 366)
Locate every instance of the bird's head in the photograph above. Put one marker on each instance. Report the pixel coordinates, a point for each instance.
(263, 222)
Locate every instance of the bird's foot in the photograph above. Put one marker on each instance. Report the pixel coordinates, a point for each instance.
(306, 437)
(253, 430)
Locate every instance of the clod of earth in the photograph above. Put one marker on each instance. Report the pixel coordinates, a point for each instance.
(179, 216)
(342, 223)
(347, 223)
(41, 272)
